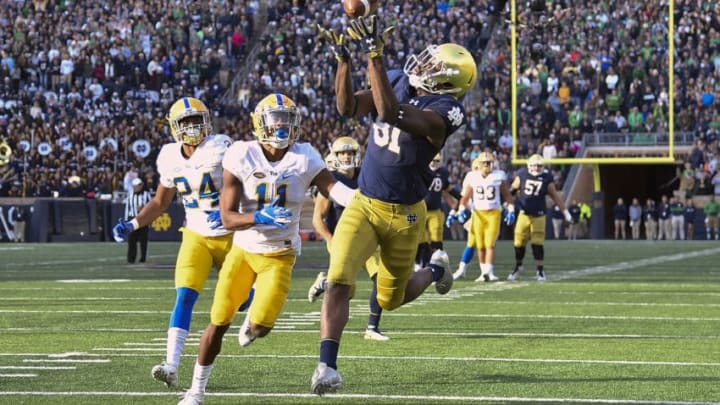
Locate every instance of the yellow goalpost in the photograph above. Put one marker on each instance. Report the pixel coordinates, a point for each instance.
(669, 159)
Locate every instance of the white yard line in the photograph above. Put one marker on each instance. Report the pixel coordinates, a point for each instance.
(328, 398)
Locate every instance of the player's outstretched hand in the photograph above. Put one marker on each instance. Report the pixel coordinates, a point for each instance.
(568, 217)
(335, 42)
(451, 218)
(213, 219)
(121, 230)
(273, 214)
(367, 33)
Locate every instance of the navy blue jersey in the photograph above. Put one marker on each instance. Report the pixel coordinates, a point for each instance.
(395, 167)
(333, 215)
(440, 181)
(532, 192)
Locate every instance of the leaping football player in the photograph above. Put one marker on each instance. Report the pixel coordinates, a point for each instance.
(414, 112)
(191, 168)
(532, 185)
(265, 182)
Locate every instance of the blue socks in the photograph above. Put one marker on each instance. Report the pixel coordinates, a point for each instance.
(328, 352)
(182, 312)
(467, 254)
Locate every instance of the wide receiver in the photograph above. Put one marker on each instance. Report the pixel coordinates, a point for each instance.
(191, 167)
(532, 184)
(485, 186)
(265, 182)
(414, 112)
(345, 160)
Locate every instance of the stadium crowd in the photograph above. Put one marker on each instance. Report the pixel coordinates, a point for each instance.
(85, 86)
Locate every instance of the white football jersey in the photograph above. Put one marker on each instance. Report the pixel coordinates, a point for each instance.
(486, 190)
(197, 180)
(263, 181)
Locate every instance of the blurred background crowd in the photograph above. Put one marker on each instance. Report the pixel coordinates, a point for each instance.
(85, 85)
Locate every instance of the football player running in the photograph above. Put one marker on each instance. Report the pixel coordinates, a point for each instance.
(265, 182)
(415, 110)
(440, 187)
(485, 186)
(532, 184)
(452, 217)
(191, 167)
(345, 160)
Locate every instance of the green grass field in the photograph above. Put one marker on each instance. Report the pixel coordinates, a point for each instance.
(616, 322)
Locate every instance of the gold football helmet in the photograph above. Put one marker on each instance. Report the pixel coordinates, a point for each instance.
(189, 121)
(344, 160)
(276, 121)
(442, 69)
(436, 162)
(534, 165)
(484, 163)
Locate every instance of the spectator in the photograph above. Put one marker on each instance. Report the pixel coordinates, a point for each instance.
(650, 214)
(664, 225)
(689, 217)
(711, 210)
(620, 214)
(677, 219)
(635, 214)
(18, 214)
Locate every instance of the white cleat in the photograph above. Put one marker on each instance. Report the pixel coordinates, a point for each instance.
(192, 398)
(540, 276)
(459, 273)
(166, 374)
(244, 336)
(486, 278)
(440, 258)
(316, 290)
(372, 334)
(325, 380)
(515, 275)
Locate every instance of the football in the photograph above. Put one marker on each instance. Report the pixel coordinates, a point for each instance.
(359, 8)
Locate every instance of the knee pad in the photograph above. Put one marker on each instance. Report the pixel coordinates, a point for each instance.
(184, 303)
(436, 246)
(519, 253)
(538, 252)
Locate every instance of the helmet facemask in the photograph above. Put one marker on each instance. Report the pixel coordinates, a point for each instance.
(346, 152)
(484, 163)
(534, 165)
(442, 69)
(191, 128)
(277, 126)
